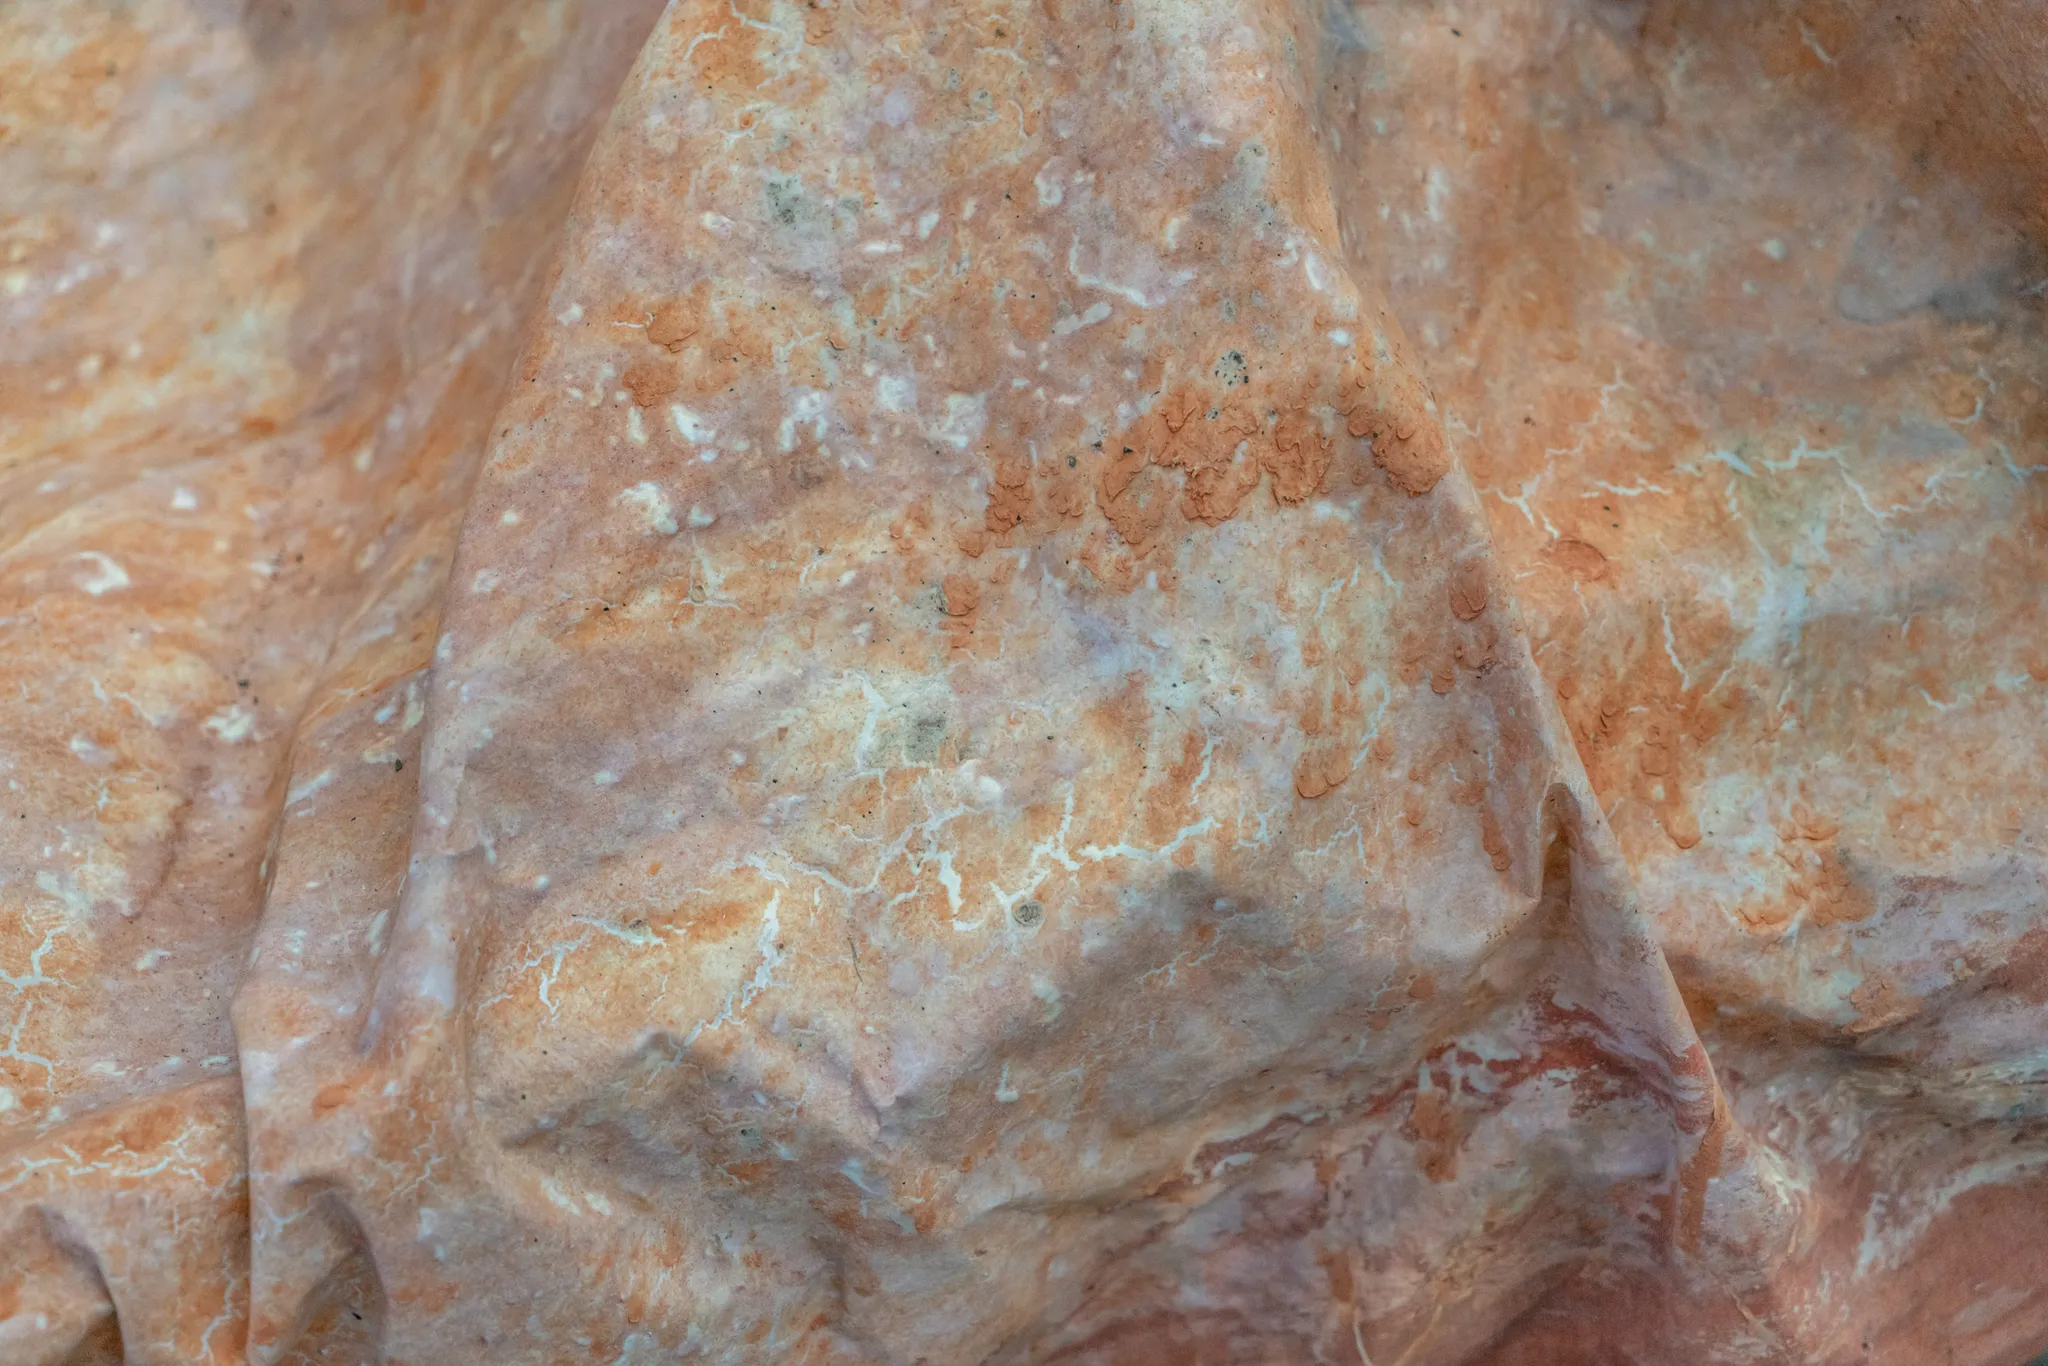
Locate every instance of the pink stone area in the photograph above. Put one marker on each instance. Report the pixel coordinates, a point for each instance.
(1089, 682)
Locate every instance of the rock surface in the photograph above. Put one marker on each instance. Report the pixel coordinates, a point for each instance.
(1041, 682)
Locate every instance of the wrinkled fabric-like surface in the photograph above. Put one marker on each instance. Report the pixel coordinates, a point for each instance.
(1048, 682)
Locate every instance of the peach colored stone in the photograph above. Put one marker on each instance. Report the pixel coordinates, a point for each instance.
(1094, 683)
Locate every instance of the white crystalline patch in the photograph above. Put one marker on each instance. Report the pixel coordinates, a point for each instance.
(700, 518)
(690, 427)
(653, 505)
(79, 891)
(895, 393)
(965, 416)
(636, 430)
(183, 500)
(1096, 312)
(604, 777)
(103, 576)
(808, 408)
(232, 724)
(1318, 274)
(90, 752)
(437, 984)
(306, 787)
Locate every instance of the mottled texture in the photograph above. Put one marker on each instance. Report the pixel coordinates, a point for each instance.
(1056, 682)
